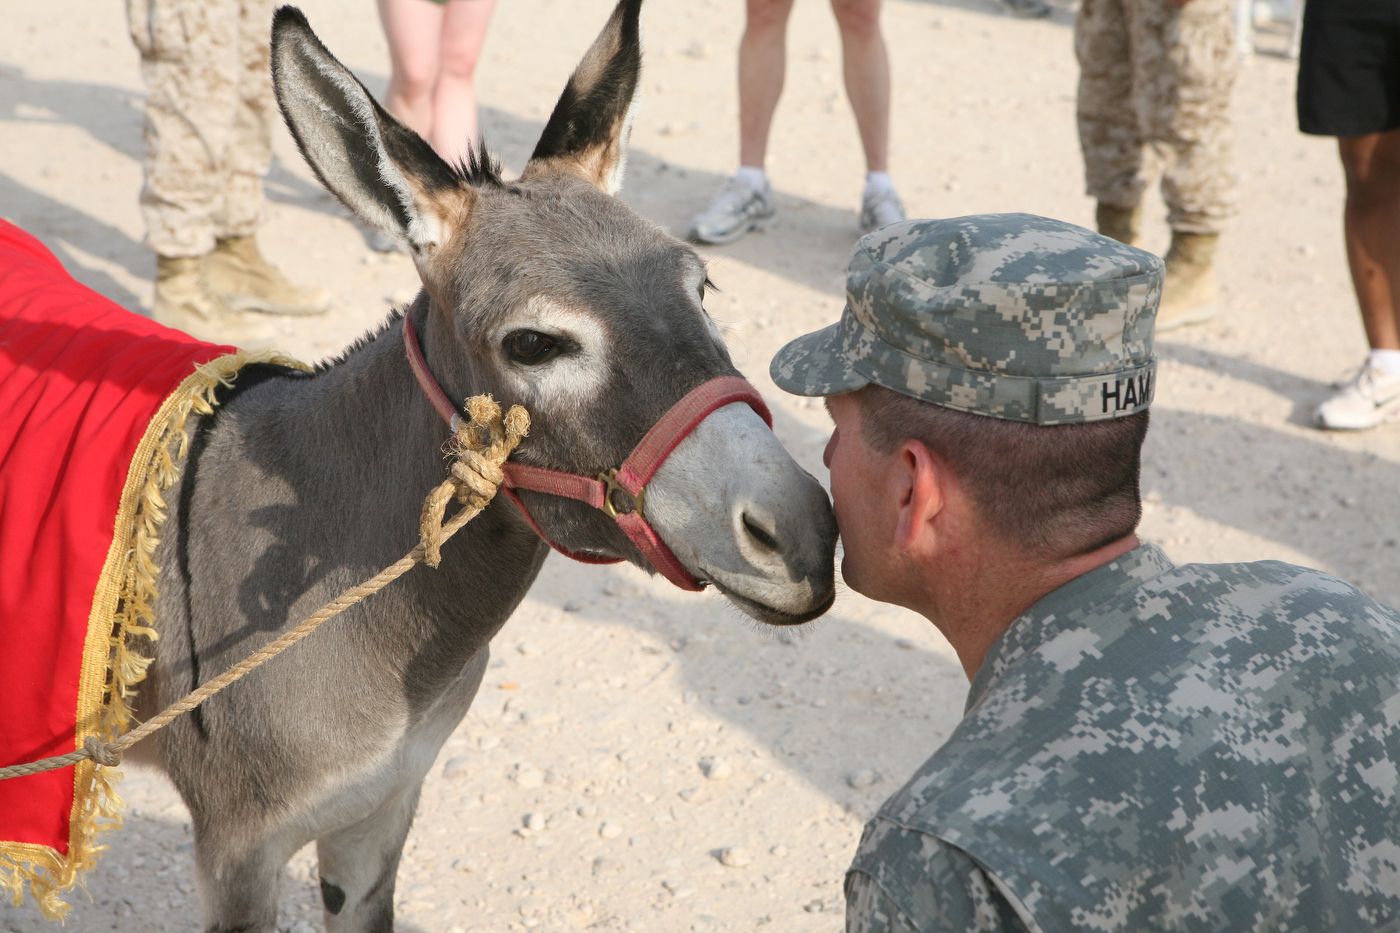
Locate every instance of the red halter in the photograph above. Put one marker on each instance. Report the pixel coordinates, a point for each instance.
(620, 492)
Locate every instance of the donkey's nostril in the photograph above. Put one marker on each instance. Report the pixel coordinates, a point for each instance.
(763, 536)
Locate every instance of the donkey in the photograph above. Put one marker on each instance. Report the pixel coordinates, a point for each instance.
(546, 291)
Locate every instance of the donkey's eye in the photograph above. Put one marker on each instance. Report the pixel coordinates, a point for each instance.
(530, 347)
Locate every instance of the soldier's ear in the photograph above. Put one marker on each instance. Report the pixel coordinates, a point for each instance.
(921, 487)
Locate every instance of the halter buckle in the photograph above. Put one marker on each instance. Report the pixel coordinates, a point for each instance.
(626, 503)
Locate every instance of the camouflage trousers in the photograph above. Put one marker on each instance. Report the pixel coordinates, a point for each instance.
(209, 112)
(1154, 87)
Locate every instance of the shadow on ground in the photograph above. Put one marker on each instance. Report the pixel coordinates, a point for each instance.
(145, 882)
(809, 243)
(1061, 13)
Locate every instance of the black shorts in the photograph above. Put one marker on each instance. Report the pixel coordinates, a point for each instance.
(1349, 67)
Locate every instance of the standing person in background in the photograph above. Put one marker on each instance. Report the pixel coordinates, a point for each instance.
(434, 46)
(1157, 75)
(746, 201)
(1349, 87)
(209, 112)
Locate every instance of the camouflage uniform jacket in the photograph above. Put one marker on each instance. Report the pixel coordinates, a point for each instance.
(1151, 747)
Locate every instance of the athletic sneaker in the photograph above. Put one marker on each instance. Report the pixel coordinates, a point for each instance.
(880, 209)
(1369, 398)
(738, 208)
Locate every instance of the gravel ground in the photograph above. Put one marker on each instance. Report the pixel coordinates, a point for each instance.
(643, 759)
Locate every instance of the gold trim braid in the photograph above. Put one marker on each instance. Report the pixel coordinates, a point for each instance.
(123, 608)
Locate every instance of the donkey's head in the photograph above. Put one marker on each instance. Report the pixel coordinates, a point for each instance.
(550, 292)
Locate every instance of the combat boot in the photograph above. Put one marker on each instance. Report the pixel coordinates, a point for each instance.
(246, 281)
(183, 292)
(1121, 223)
(1188, 291)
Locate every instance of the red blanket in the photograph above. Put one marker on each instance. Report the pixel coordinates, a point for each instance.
(93, 401)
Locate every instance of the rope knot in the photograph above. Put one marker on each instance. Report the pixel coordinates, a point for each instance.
(479, 449)
(101, 753)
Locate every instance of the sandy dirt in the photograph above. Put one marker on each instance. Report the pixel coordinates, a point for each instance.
(644, 759)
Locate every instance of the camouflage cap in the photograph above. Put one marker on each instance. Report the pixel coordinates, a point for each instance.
(1008, 315)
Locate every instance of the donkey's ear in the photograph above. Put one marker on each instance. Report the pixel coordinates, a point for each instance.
(385, 173)
(587, 133)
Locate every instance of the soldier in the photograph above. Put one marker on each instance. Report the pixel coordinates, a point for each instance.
(209, 112)
(1156, 75)
(1145, 746)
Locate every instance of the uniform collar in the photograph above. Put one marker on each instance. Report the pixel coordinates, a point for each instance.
(1063, 607)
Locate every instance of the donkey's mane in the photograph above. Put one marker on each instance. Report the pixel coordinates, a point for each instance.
(478, 167)
(360, 342)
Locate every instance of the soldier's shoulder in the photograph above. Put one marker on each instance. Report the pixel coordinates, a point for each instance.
(935, 800)
(1189, 624)
(1241, 574)
(1262, 583)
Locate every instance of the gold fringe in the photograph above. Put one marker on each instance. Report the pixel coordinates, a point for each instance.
(123, 608)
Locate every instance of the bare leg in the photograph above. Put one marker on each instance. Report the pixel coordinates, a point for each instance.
(454, 101)
(762, 63)
(413, 29)
(1372, 225)
(866, 68)
(358, 866)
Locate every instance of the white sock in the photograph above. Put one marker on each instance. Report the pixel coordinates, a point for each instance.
(1387, 361)
(878, 183)
(755, 178)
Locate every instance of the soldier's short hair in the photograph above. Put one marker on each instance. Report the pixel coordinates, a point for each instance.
(1053, 491)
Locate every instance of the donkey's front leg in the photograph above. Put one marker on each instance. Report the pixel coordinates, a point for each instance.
(358, 865)
(239, 890)
(359, 862)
